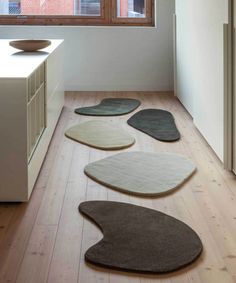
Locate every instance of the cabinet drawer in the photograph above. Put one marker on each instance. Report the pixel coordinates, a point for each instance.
(36, 118)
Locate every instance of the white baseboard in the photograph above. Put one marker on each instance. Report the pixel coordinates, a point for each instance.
(79, 87)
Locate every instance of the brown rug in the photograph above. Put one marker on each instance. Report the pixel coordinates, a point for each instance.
(141, 173)
(139, 239)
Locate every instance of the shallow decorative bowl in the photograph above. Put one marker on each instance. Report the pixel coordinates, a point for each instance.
(30, 45)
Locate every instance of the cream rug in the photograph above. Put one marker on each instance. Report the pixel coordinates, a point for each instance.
(142, 173)
(102, 135)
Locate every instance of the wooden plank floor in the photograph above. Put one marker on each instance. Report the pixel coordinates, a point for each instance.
(45, 240)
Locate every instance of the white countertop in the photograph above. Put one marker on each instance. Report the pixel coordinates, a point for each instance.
(17, 64)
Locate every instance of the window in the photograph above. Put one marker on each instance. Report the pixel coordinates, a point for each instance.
(77, 12)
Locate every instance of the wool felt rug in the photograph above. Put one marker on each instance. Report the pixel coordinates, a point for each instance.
(102, 135)
(110, 107)
(139, 239)
(141, 173)
(157, 123)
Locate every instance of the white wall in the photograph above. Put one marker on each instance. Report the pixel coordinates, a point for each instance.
(200, 65)
(113, 58)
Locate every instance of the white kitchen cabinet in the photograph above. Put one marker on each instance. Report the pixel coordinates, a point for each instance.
(200, 72)
(31, 100)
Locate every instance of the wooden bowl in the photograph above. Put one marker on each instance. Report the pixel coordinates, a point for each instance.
(30, 45)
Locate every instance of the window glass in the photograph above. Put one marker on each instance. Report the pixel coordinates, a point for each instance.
(131, 8)
(49, 7)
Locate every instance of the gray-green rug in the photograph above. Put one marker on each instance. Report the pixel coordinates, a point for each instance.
(110, 107)
(141, 173)
(100, 134)
(157, 123)
(139, 239)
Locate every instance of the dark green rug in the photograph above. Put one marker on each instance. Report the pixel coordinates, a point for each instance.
(110, 107)
(157, 123)
(139, 239)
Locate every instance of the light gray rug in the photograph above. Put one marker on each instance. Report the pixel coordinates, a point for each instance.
(100, 134)
(142, 173)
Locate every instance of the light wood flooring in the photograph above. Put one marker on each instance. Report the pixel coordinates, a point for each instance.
(45, 240)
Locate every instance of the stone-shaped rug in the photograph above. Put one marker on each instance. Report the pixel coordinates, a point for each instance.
(141, 173)
(157, 123)
(110, 107)
(139, 239)
(100, 134)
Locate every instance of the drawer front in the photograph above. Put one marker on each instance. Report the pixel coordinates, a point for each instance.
(36, 117)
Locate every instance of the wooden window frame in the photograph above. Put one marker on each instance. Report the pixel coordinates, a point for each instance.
(107, 18)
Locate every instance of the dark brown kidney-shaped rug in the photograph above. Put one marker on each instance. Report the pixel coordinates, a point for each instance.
(110, 107)
(157, 123)
(139, 239)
